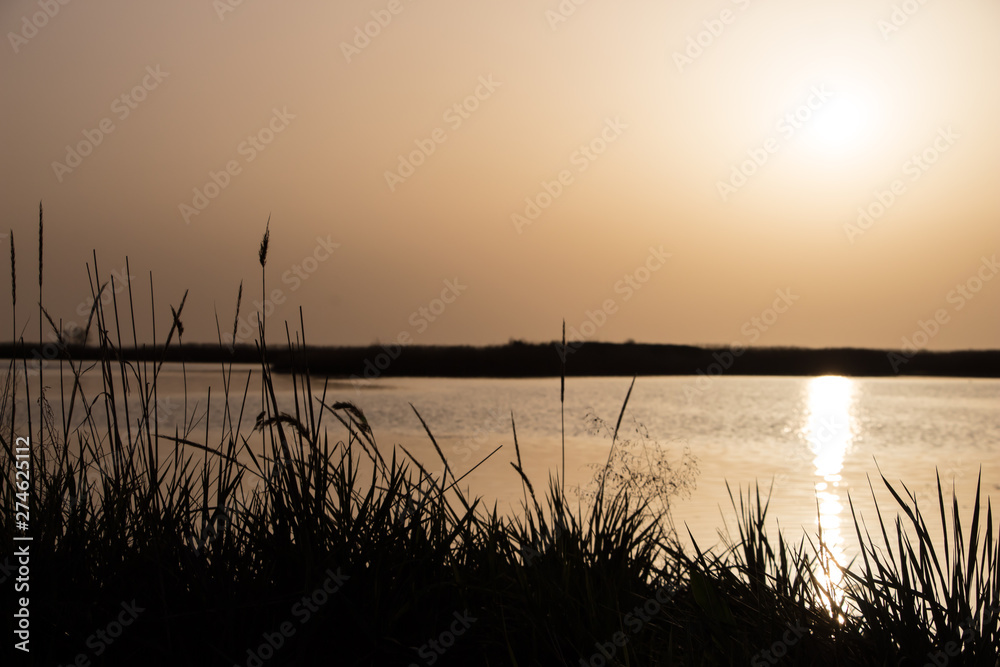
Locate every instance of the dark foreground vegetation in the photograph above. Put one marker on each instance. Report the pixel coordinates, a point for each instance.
(152, 548)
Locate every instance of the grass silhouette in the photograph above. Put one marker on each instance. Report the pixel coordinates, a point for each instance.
(301, 541)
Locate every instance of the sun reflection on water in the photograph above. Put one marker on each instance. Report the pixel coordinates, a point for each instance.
(829, 431)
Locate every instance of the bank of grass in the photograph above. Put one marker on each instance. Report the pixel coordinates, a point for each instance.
(327, 548)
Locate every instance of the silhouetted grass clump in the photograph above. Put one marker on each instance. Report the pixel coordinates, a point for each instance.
(301, 541)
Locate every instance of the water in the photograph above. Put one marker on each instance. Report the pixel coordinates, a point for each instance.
(813, 441)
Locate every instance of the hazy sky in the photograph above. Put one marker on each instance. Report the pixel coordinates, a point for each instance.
(667, 171)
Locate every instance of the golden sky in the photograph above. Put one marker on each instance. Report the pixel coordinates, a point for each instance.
(789, 172)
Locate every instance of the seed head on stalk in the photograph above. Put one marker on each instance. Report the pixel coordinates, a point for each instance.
(262, 253)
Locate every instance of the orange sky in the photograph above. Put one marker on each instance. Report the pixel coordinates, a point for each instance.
(780, 173)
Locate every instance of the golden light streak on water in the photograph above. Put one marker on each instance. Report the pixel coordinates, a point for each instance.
(829, 430)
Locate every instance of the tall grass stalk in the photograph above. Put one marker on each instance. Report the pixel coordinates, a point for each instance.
(562, 402)
(41, 366)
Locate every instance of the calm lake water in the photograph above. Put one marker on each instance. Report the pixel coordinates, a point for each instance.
(816, 440)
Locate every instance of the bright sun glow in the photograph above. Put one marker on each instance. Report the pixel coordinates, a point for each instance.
(840, 125)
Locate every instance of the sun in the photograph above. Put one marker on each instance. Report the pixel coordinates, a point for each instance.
(840, 125)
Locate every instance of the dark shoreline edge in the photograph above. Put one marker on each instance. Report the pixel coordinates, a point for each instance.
(518, 359)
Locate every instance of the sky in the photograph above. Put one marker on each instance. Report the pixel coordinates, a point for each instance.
(789, 172)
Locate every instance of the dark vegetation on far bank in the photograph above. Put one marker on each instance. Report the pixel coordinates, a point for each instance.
(520, 359)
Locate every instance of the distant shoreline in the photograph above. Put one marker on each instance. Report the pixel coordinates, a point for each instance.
(518, 359)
